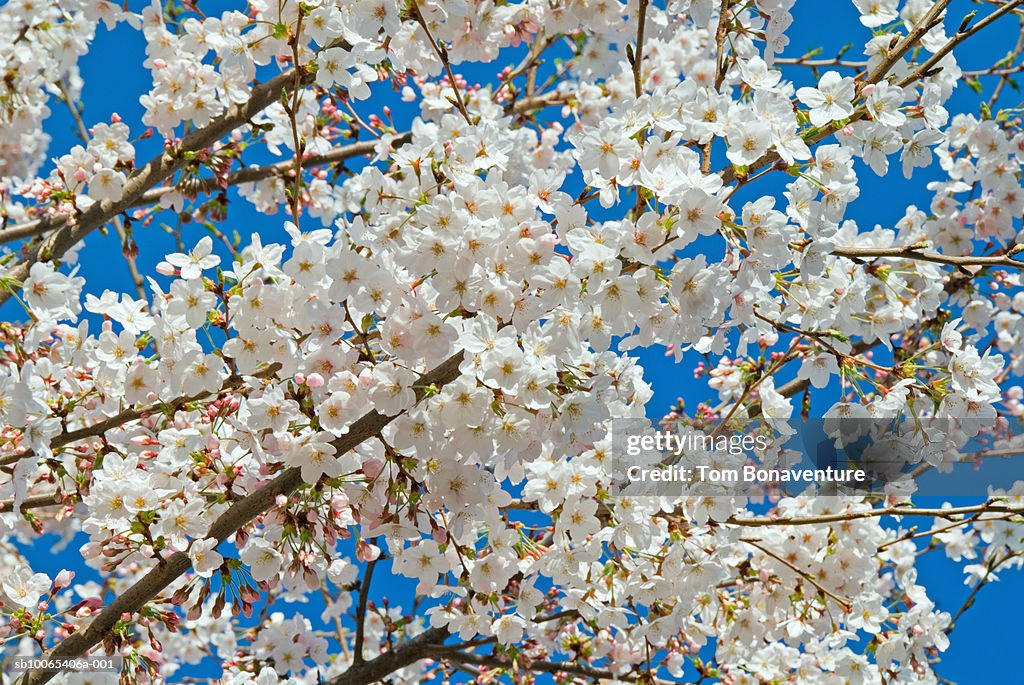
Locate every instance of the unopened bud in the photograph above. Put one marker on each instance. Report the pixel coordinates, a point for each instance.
(130, 249)
(63, 579)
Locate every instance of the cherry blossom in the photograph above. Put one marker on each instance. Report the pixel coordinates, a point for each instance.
(375, 435)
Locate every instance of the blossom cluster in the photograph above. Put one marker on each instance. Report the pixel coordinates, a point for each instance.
(426, 380)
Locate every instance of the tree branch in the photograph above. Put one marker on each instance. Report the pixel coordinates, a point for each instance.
(71, 229)
(917, 253)
(960, 37)
(127, 415)
(412, 650)
(364, 593)
(991, 507)
(239, 514)
(877, 74)
(30, 229)
(638, 54)
(541, 666)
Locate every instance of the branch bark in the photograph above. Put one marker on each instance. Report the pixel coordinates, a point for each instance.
(912, 252)
(419, 647)
(877, 74)
(960, 37)
(991, 507)
(638, 54)
(128, 415)
(31, 229)
(238, 515)
(70, 229)
(541, 666)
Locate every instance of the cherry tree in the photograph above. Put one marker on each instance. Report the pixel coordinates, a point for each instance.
(420, 378)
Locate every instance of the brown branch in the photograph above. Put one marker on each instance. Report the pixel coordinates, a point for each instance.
(30, 229)
(877, 74)
(816, 63)
(991, 507)
(247, 175)
(928, 22)
(844, 602)
(239, 514)
(958, 38)
(1010, 59)
(541, 666)
(34, 502)
(298, 143)
(71, 229)
(127, 415)
(917, 253)
(638, 54)
(412, 650)
(442, 54)
(364, 593)
(990, 569)
(720, 34)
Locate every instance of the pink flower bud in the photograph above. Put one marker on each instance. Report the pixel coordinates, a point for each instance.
(312, 581)
(63, 579)
(130, 249)
(300, 378)
(315, 380)
(366, 552)
(372, 468)
(166, 269)
(115, 118)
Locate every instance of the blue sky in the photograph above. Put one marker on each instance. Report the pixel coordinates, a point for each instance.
(114, 80)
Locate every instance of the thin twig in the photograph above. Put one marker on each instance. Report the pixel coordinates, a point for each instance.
(37, 227)
(364, 593)
(917, 253)
(638, 54)
(70, 229)
(844, 602)
(990, 507)
(442, 54)
(128, 415)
